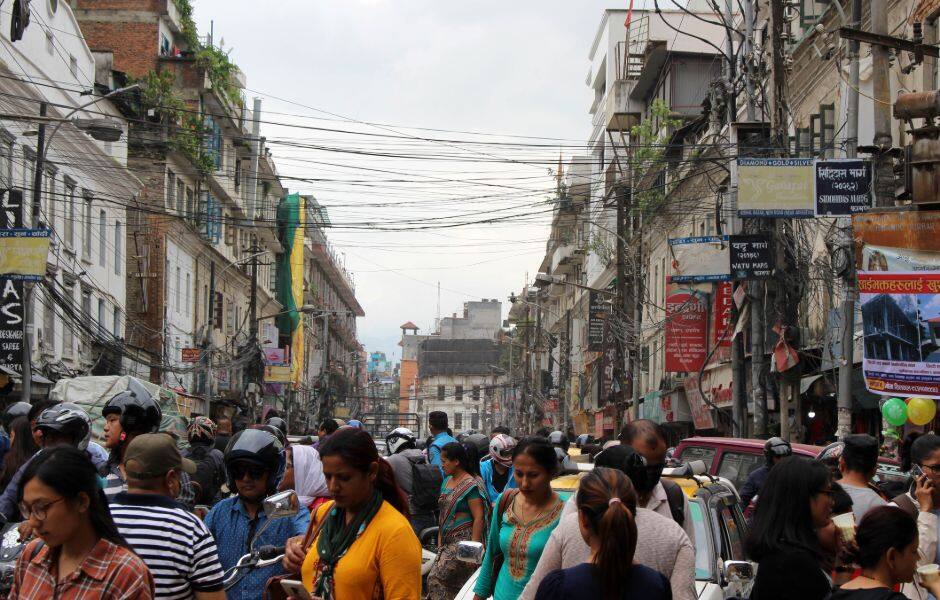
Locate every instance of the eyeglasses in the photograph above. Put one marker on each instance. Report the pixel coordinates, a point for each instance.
(37, 510)
(932, 468)
(253, 471)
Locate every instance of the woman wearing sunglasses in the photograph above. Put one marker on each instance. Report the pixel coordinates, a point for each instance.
(79, 554)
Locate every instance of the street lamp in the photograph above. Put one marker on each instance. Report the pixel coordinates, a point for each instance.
(546, 278)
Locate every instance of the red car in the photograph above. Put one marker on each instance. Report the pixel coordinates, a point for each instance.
(735, 458)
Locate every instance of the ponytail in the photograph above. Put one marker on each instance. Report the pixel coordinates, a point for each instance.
(607, 500)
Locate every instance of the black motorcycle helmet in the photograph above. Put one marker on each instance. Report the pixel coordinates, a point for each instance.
(260, 447)
(15, 410)
(481, 441)
(279, 423)
(67, 419)
(776, 447)
(138, 410)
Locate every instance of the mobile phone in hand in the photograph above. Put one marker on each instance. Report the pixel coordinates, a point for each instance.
(295, 589)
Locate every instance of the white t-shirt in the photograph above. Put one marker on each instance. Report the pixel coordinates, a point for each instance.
(863, 500)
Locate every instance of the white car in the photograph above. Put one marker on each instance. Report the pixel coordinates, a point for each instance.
(721, 569)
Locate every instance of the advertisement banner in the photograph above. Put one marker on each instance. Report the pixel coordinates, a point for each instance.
(775, 187)
(686, 329)
(901, 320)
(843, 187)
(599, 307)
(886, 241)
(275, 356)
(721, 316)
(191, 355)
(276, 374)
(701, 413)
(23, 253)
(701, 258)
(12, 292)
(609, 385)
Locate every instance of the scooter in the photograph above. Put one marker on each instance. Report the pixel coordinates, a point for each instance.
(280, 505)
(10, 549)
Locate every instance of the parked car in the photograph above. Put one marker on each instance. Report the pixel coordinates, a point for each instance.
(720, 529)
(735, 458)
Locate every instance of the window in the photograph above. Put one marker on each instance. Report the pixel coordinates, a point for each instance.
(116, 324)
(6, 162)
(164, 45)
(86, 229)
(102, 237)
(68, 336)
(476, 393)
(475, 421)
(229, 317)
(29, 180)
(118, 247)
(102, 310)
(733, 529)
(70, 213)
(690, 453)
(736, 466)
(180, 197)
(170, 188)
(190, 199)
(441, 393)
(458, 421)
(187, 306)
(176, 289)
(86, 304)
(458, 393)
(49, 201)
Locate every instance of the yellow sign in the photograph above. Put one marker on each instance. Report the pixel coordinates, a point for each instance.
(775, 187)
(276, 374)
(23, 253)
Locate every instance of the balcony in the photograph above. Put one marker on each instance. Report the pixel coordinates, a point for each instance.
(561, 259)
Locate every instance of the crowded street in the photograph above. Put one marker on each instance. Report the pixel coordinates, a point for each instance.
(422, 300)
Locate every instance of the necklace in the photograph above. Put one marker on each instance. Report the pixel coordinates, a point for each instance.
(549, 505)
(878, 581)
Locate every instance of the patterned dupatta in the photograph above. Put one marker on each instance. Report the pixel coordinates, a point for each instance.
(448, 508)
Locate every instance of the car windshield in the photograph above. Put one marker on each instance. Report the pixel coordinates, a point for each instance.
(703, 550)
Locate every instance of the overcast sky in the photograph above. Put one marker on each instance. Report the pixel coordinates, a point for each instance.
(496, 67)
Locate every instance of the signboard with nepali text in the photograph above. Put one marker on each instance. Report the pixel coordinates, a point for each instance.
(686, 329)
(843, 187)
(901, 319)
(702, 258)
(599, 309)
(775, 187)
(24, 252)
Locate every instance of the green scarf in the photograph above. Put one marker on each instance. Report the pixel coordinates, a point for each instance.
(336, 537)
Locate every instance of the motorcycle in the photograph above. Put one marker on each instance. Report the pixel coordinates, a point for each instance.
(280, 505)
(428, 539)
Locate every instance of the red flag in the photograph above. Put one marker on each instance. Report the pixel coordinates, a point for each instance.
(629, 15)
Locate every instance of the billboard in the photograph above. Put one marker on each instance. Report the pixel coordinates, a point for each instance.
(704, 258)
(776, 187)
(686, 329)
(901, 321)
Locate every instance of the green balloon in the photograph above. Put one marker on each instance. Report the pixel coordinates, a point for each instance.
(894, 411)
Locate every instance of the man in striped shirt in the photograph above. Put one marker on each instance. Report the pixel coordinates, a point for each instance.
(175, 544)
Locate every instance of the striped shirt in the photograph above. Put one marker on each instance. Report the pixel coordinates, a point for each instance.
(175, 544)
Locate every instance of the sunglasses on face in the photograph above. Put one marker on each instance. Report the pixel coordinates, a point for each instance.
(253, 471)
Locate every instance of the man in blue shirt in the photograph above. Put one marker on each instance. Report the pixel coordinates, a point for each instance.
(255, 463)
(437, 424)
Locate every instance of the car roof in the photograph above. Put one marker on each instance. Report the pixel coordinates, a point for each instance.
(689, 485)
(748, 443)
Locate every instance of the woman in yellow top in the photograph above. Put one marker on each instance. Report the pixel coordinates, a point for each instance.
(364, 547)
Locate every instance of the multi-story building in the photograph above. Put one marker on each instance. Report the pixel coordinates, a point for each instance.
(76, 317)
(194, 228)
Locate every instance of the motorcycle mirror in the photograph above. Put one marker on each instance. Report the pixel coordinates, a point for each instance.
(738, 571)
(470, 552)
(282, 504)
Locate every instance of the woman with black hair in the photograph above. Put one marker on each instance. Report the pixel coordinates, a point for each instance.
(795, 503)
(360, 545)
(463, 517)
(887, 553)
(22, 448)
(80, 554)
(522, 521)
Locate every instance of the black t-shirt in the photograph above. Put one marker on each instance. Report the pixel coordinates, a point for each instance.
(500, 479)
(790, 575)
(869, 594)
(582, 583)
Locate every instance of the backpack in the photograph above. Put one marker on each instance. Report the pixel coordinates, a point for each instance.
(676, 499)
(426, 480)
(207, 480)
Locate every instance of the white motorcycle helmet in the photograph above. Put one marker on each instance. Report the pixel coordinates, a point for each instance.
(398, 438)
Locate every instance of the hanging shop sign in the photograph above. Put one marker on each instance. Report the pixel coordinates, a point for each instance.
(897, 241)
(12, 292)
(599, 309)
(775, 187)
(721, 315)
(901, 319)
(24, 252)
(751, 257)
(276, 374)
(842, 187)
(686, 329)
(701, 412)
(697, 259)
(191, 355)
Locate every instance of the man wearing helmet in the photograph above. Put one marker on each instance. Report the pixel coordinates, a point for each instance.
(255, 464)
(127, 414)
(59, 425)
(560, 441)
(497, 473)
(775, 450)
(403, 455)
(210, 463)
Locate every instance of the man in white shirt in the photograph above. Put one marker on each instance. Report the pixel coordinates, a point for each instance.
(858, 465)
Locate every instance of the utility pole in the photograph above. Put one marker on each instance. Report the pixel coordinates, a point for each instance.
(881, 104)
(35, 214)
(621, 198)
(324, 372)
(210, 326)
(844, 399)
(253, 335)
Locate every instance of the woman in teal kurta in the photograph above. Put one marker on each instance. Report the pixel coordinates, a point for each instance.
(522, 522)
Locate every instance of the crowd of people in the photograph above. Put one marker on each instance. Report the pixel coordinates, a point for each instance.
(140, 518)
